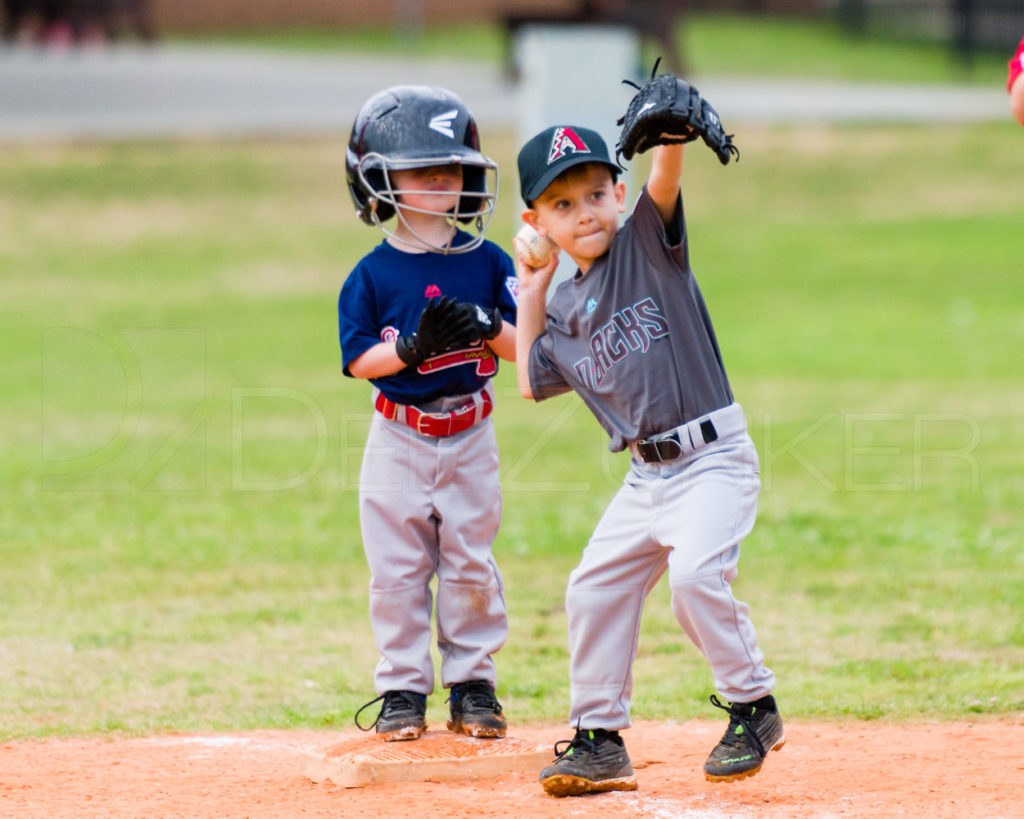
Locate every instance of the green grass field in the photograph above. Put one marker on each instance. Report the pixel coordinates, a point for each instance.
(179, 452)
(180, 545)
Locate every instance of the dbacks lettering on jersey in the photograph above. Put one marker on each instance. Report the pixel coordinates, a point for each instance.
(480, 355)
(630, 330)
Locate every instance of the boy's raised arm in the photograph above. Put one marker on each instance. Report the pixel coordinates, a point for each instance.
(663, 183)
(665, 113)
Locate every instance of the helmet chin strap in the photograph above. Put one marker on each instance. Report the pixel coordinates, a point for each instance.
(481, 215)
(446, 247)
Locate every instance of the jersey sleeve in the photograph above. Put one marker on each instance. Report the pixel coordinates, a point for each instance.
(357, 318)
(655, 236)
(1016, 66)
(507, 297)
(546, 380)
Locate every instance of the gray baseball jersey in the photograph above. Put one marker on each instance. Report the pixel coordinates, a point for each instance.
(639, 349)
(634, 339)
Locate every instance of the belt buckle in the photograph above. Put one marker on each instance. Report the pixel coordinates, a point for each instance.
(670, 448)
(430, 416)
(660, 448)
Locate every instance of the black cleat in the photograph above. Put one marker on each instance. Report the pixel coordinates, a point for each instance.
(591, 762)
(755, 728)
(402, 716)
(475, 710)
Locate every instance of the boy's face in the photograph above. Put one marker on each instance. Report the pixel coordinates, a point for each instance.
(435, 189)
(580, 211)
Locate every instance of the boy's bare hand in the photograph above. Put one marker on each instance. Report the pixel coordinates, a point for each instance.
(535, 279)
(534, 248)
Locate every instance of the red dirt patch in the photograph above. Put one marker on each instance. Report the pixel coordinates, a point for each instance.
(826, 770)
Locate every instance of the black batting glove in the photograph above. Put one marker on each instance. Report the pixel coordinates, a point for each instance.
(443, 325)
(488, 322)
(408, 352)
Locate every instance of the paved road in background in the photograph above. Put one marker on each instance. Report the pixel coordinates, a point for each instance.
(170, 91)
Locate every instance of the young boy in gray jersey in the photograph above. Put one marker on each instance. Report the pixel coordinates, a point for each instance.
(631, 334)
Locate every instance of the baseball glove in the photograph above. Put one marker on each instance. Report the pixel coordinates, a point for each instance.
(668, 111)
(443, 326)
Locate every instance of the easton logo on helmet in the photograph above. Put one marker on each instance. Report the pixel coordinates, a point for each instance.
(442, 123)
(565, 141)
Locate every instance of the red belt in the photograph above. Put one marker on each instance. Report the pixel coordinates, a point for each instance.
(436, 424)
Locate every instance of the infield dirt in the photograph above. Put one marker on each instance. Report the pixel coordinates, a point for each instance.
(848, 769)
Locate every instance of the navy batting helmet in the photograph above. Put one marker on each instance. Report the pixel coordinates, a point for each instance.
(417, 126)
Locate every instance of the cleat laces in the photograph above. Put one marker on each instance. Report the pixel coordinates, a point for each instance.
(741, 727)
(409, 701)
(476, 694)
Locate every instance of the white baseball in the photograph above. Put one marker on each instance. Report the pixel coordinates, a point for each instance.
(533, 248)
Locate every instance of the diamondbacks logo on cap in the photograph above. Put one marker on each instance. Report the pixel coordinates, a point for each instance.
(564, 142)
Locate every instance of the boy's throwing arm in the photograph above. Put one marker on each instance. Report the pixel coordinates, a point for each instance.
(531, 315)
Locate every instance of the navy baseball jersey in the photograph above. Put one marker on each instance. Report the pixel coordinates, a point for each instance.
(385, 294)
(633, 336)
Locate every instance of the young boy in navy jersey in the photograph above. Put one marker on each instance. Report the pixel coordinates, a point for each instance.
(425, 316)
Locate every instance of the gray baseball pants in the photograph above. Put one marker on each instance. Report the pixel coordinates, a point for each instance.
(686, 517)
(430, 507)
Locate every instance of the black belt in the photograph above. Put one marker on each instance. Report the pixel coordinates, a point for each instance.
(667, 446)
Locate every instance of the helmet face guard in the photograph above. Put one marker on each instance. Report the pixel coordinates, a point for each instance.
(475, 205)
(415, 126)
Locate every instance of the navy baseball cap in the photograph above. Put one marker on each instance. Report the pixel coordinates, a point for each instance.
(554, 150)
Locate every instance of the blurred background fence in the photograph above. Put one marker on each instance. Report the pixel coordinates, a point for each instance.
(966, 26)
